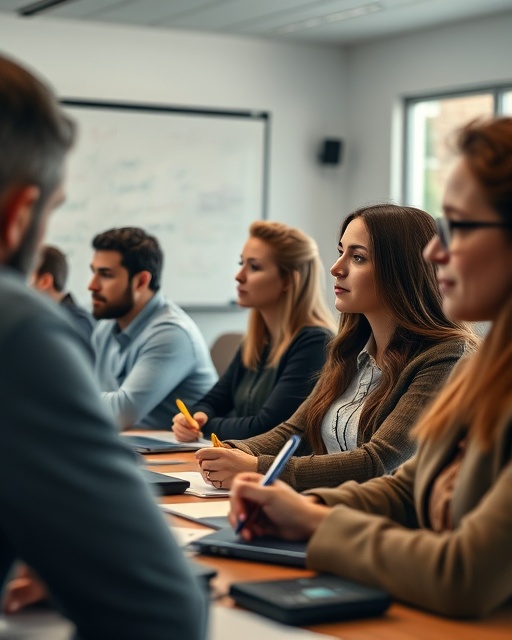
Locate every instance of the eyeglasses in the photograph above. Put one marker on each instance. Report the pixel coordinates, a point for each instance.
(445, 227)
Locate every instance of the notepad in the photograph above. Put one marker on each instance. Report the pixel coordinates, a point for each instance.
(209, 514)
(198, 487)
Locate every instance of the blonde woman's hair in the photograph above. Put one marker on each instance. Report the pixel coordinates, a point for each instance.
(303, 302)
(479, 395)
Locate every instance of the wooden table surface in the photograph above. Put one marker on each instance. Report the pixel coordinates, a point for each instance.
(399, 623)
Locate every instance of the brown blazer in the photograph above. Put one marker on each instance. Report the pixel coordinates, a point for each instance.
(379, 533)
(380, 450)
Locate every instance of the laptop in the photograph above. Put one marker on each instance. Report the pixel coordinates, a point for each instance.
(164, 484)
(225, 542)
(147, 444)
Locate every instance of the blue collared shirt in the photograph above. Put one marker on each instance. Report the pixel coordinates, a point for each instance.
(159, 357)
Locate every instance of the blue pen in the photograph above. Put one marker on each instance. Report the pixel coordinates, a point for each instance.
(275, 470)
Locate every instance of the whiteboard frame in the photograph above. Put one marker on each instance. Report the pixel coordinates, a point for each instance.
(249, 114)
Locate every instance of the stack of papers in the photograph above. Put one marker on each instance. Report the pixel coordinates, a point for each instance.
(198, 487)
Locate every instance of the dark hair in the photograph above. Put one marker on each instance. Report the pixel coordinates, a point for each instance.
(53, 261)
(35, 134)
(486, 146)
(139, 251)
(408, 288)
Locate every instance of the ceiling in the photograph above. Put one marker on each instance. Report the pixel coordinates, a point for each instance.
(339, 22)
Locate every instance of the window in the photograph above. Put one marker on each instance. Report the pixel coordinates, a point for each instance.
(429, 123)
(507, 103)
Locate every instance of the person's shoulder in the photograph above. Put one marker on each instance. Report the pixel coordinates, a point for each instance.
(312, 334)
(449, 349)
(171, 314)
(79, 312)
(19, 303)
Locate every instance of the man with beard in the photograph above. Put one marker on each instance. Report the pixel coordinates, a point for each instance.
(73, 504)
(148, 351)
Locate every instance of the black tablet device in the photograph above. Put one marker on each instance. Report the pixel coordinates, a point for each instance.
(314, 600)
(163, 484)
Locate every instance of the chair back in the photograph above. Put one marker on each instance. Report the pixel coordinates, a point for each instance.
(223, 350)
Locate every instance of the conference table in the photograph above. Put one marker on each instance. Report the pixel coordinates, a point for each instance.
(400, 622)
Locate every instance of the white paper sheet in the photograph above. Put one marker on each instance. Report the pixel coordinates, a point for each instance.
(197, 510)
(198, 487)
(231, 624)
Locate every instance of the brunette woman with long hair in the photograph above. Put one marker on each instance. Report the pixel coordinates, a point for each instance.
(394, 348)
(438, 532)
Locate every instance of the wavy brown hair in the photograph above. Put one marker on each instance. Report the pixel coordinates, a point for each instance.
(480, 394)
(296, 256)
(407, 287)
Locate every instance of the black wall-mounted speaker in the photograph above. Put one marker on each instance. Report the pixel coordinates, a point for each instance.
(331, 151)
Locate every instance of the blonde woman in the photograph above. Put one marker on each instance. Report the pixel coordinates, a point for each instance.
(281, 281)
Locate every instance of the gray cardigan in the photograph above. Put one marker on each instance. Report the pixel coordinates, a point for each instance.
(380, 450)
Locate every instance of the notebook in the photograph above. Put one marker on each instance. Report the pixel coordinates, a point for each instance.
(147, 444)
(165, 484)
(227, 543)
(213, 514)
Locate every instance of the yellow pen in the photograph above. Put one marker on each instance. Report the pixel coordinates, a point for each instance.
(216, 442)
(181, 406)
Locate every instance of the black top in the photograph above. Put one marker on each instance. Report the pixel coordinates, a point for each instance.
(245, 403)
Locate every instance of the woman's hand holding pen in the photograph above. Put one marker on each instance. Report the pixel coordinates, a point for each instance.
(220, 465)
(183, 431)
(276, 509)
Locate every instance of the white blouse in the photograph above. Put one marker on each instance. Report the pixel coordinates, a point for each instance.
(340, 425)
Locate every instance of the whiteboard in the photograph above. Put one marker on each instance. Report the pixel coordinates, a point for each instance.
(195, 179)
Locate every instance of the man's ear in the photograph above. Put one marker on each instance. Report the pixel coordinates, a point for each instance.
(142, 280)
(18, 212)
(45, 281)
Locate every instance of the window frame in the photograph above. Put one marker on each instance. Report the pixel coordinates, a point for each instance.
(496, 91)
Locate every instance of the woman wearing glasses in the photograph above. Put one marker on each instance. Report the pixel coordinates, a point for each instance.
(438, 532)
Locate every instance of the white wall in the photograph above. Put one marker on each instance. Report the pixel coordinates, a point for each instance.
(382, 73)
(311, 92)
(301, 86)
